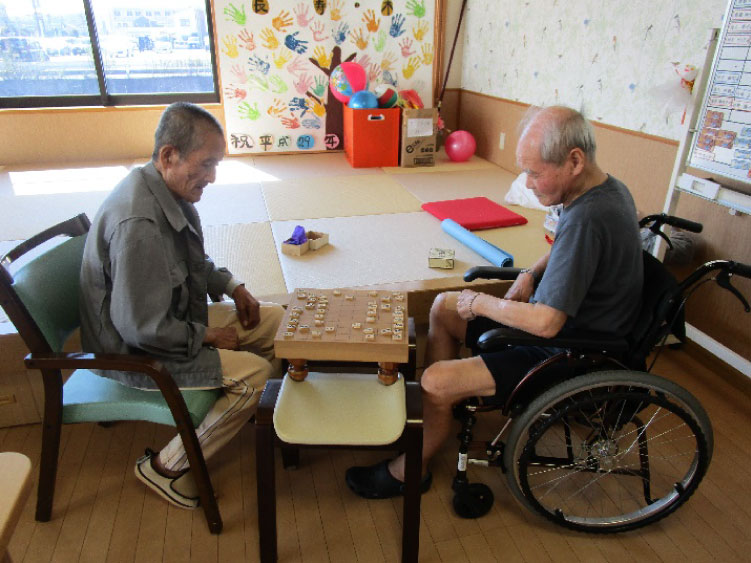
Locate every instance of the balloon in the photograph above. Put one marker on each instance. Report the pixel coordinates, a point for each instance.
(387, 95)
(460, 145)
(346, 79)
(364, 99)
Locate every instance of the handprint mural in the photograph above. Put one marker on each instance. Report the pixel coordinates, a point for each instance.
(276, 57)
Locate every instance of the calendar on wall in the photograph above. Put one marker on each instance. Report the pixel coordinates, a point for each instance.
(721, 144)
(276, 58)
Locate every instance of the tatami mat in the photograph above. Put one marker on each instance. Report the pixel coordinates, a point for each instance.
(492, 183)
(249, 252)
(377, 249)
(378, 232)
(25, 216)
(443, 164)
(285, 167)
(231, 204)
(337, 196)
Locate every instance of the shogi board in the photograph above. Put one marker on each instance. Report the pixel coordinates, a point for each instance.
(336, 336)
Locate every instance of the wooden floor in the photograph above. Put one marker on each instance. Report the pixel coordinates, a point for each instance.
(102, 513)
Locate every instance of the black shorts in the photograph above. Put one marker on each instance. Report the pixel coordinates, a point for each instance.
(508, 366)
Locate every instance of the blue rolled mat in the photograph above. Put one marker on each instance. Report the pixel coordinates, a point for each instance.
(491, 253)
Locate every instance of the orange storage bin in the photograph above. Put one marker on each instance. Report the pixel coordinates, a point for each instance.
(371, 137)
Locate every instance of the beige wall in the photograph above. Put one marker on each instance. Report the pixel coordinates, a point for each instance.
(78, 135)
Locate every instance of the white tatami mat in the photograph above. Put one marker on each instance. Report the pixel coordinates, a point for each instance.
(286, 166)
(378, 232)
(25, 216)
(492, 183)
(337, 196)
(375, 249)
(249, 252)
(232, 204)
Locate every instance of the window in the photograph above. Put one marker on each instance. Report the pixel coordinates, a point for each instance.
(97, 52)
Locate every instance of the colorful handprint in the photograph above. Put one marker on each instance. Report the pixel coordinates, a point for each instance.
(235, 14)
(294, 44)
(412, 65)
(270, 41)
(301, 12)
(336, 10)
(303, 82)
(319, 31)
(281, 57)
(406, 45)
(371, 21)
(282, 21)
(246, 111)
(246, 40)
(397, 26)
(427, 54)
(358, 39)
(229, 46)
(419, 31)
(416, 8)
(322, 57)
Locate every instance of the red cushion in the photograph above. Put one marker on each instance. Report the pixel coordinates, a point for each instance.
(474, 213)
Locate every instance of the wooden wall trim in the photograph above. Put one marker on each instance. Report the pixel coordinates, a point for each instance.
(594, 122)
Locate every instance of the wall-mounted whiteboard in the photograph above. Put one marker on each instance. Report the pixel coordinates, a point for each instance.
(276, 56)
(722, 142)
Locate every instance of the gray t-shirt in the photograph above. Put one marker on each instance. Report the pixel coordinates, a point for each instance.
(595, 272)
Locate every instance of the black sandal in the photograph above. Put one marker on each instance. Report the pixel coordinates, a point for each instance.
(376, 482)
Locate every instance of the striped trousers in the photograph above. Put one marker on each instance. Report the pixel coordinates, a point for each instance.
(244, 375)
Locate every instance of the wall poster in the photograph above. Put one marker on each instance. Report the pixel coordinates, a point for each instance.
(276, 56)
(722, 141)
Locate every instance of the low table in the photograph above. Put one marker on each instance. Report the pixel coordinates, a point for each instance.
(347, 325)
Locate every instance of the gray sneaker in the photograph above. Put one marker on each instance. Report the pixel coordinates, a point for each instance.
(180, 491)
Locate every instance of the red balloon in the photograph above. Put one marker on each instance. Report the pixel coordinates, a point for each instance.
(460, 146)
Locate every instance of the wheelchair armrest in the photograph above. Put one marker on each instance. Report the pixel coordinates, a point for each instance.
(491, 273)
(577, 340)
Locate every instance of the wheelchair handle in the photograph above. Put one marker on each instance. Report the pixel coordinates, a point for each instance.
(740, 269)
(491, 273)
(673, 221)
(728, 268)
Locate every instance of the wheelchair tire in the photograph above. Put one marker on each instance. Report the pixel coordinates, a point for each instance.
(609, 451)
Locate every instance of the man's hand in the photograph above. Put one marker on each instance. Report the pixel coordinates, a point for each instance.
(225, 338)
(248, 309)
(521, 289)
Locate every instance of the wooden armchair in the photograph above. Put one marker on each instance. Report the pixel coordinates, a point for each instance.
(41, 299)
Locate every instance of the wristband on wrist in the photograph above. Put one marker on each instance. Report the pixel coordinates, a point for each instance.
(471, 312)
(530, 272)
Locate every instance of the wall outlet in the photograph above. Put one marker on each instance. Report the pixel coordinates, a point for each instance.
(502, 141)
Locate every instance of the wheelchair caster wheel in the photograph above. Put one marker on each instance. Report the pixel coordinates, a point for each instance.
(473, 501)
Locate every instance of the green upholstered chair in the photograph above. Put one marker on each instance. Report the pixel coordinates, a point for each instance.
(40, 297)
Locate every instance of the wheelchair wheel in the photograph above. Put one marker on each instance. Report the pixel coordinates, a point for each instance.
(473, 500)
(609, 451)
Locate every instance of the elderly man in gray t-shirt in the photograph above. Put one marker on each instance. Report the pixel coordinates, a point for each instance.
(592, 278)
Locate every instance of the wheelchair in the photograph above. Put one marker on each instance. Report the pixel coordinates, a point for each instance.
(593, 441)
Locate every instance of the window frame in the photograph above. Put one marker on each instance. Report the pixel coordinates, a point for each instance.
(105, 99)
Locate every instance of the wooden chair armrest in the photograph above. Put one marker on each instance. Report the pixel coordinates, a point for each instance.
(73, 227)
(146, 365)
